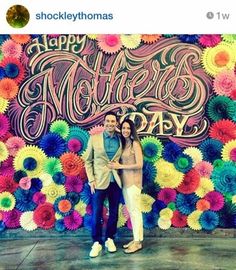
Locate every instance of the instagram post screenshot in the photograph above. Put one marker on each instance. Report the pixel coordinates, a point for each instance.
(117, 135)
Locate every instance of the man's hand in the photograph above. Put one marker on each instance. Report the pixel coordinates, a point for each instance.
(113, 165)
(93, 187)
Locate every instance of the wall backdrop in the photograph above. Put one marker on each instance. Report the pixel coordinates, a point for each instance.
(180, 91)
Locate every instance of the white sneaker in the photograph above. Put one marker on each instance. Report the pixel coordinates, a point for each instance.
(110, 245)
(95, 250)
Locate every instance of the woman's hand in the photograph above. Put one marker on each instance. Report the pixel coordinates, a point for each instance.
(114, 165)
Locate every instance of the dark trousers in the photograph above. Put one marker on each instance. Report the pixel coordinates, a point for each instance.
(113, 193)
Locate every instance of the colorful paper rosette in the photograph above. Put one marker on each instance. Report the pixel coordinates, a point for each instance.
(209, 220)
(230, 38)
(150, 220)
(121, 217)
(193, 220)
(12, 218)
(203, 205)
(44, 216)
(4, 103)
(229, 151)
(167, 195)
(221, 107)
(52, 144)
(209, 40)
(216, 200)
(109, 43)
(14, 144)
(30, 159)
(224, 178)
(60, 127)
(171, 151)
(24, 200)
(7, 184)
(146, 203)
(131, 41)
(73, 221)
(225, 83)
(190, 182)
(179, 220)
(80, 207)
(3, 152)
(205, 186)
(63, 206)
(186, 203)
(183, 163)
(46, 179)
(11, 49)
(20, 38)
(92, 36)
(219, 58)
(204, 168)
(166, 214)
(167, 175)
(189, 38)
(152, 148)
(52, 165)
(6, 167)
(149, 39)
(53, 191)
(211, 149)
(59, 225)
(7, 201)
(8, 88)
(74, 184)
(4, 125)
(158, 205)
(86, 195)
(72, 164)
(96, 129)
(27, 222)
(149, 172)
(59, 178)
(194, 153)
(164, 224)
(80, 135)
(39, 198)
(223, 130)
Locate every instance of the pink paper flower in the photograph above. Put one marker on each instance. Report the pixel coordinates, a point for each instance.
(73, 221)
(204, 168)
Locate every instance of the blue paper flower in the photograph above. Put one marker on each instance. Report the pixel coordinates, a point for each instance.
(36, 185)
(186, 203)
(53, 145)
(211, 149)
(59, 178)
(224, 178)
(149, 172)
(150, 220)
(2, 73)
(2, 226)
(171, 152)
(11, 70)
(60, 226)
(189, 38)
(209, 220)
(151, 188)
(29, 163)
(86, 195)
(226, 215)
(24, 200)
(56, 203)
(18, 175)
(3, 38)
(88, 222)
(157, 206)
(183, 163)
(152, 148)
(81, 135)
(74, 197)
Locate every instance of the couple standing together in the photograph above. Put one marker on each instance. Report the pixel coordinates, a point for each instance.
(107, 153)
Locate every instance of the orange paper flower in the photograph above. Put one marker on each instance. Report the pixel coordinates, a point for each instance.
(8, 88)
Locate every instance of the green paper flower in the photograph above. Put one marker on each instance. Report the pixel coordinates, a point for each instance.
(152, 148)
(7, 201)
(172, 206)
(52, 165)
(221, 107)
(60, 127)
(229, 38)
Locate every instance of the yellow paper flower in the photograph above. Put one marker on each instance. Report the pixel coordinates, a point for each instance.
(146, 203)
(234, 199)
(27, 222)
(58, 216)
(4, 103)
(130, 41)
(121, 218)
(92, 36)
(30, 152)
(7, 201)
(205, 186)
(195, 154)
(3, 152)
(193, 220)
(167, 175)
(218, 58)
(81, 208)
(166, 213)
(46, 179)
(53, 191)
(229, 151)
(164, 224)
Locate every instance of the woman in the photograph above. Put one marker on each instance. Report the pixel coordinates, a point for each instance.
(131, 175)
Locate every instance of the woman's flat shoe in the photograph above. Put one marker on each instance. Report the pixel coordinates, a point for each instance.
(133, 248)
(127, 245)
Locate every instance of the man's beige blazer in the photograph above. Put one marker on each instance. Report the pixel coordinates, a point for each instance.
(96, 161)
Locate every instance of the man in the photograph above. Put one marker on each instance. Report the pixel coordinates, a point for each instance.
(104, 182)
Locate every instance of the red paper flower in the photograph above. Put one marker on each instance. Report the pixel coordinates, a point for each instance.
(7, 184)
(39, 198)
(179, 220)
(209, 40)
(167, 195)
(190, 183)
(44, 216)
(72, 164)
(223, 130)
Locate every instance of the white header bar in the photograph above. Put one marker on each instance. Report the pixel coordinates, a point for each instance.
(123, 16)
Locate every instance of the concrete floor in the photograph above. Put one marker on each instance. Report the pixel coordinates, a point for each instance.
(158, 253)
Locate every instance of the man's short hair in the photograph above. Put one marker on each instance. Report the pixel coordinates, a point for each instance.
(111, 113)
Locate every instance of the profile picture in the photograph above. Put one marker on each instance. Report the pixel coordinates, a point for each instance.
(17, 16)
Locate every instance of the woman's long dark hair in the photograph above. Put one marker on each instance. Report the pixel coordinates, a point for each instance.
(133, 133)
